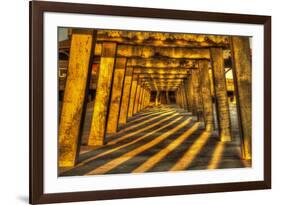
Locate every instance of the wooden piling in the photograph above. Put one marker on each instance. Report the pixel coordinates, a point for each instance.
(101, 105)
(126, 96)
(222, 110)
(242, 71)
(74, 96)
(206, 95)
(116, 92)
(132, 95)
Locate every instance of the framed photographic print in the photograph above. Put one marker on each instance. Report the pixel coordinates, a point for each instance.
(135, 102)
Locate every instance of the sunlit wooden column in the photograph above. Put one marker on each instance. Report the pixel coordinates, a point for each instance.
(147, 102)
(133, 95)
(126, 96)
(116, 92)
(206, 95)
(74, 96)
(197, 95)
(168, 97)
(190, 98)
(178, 98)
(241, 55)
(101, 105)
(223, 114)
(181, 98)
(145, 99)
(144, 96)
(185, 88)
(184, 97)
(136, 103)
(140, 98)
(157, 98)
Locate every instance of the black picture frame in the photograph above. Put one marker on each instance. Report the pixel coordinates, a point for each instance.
(37, 9)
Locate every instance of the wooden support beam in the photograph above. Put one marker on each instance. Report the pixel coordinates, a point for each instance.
(242, 71)
(140, 99)
(197, 95)
(157, 98)
(133, 95)
(162, 80)
(126, 96)
(163, 39)
(162, 52)
(162, 63)
(101, 105)
(167, 71)
(168, 98)
(144, 100)
(222, 110)
(117, 87)
(206, 95)
(147, 99)
(163, 76)
(184, 96)
(190, 95)
(138, 93)
(157, 52)
(177, 97)
(74, 97)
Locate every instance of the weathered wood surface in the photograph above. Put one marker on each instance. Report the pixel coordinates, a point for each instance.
(162, 76)
(116, 92)
(99, 119)
(140, 99)
(206, 95)
(162, 62)
(242, 75)
(197, 95)
(223, 114)
(163, 39)
(167, 71)
(126, 96)
(74, 95)
(189, 94)
(133, 95)
(156, 52)
(138, 94)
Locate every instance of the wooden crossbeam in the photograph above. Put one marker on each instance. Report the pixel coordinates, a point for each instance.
(161, 71)
(162, 62)
(163, 76)
(163, 39)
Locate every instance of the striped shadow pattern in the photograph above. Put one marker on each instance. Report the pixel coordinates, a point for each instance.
(158, 140)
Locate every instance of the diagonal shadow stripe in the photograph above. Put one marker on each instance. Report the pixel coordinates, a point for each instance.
(115, 149)
(150, 162)
(230, 158)
(140, 158)
(168, 162)
(216, 156)
(138, 118)
(115, 162)
(95, 150)
(117, 140)
(191, 153)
